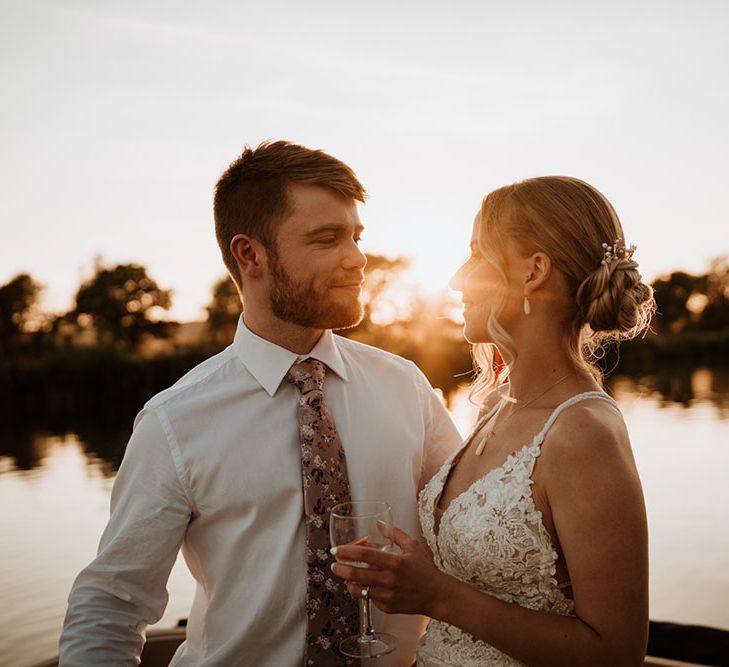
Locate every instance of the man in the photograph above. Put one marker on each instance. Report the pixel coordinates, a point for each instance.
(227, 463)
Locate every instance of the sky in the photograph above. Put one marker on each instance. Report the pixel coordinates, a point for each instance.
(117, 119)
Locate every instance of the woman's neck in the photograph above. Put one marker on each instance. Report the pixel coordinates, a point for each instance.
(536, 369)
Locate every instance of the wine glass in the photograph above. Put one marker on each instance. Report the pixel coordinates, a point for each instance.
(357, 522)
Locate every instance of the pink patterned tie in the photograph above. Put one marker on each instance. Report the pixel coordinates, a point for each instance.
(331, 612)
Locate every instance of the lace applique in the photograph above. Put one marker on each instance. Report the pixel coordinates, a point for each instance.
(492, 537)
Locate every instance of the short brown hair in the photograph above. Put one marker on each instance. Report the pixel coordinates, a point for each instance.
(250, 196)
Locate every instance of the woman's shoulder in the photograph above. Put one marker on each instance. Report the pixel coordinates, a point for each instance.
(587, 433)
(586, 467)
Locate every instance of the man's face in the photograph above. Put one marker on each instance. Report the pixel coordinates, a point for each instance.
(316, 266)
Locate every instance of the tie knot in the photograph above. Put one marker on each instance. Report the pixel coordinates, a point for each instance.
(307, 375)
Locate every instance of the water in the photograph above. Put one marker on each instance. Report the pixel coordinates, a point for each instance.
(54, 495)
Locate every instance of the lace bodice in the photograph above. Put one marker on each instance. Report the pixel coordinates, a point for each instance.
(492, 537)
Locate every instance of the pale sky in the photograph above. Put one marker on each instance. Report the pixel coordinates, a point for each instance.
(118, 117)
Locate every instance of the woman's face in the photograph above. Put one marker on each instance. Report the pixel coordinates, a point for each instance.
(482, 286)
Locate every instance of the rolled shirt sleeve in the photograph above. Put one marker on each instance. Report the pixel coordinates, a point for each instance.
(125, 587)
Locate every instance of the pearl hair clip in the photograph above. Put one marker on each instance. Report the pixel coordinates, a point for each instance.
(616, 251)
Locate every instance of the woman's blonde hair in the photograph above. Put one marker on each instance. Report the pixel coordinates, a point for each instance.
(568, 220)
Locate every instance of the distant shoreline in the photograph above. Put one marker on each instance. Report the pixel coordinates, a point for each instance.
(109, 385)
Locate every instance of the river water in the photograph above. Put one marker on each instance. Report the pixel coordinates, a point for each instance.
(54, 497)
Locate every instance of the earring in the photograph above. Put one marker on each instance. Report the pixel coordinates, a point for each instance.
(527, 306)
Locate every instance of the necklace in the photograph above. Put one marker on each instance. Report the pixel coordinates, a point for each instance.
(490, 433)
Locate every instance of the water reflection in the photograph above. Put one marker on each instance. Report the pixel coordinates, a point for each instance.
(679, 385)
(27, 447)
(103, 443)
(57, 480)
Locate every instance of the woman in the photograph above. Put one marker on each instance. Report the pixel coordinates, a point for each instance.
(535, 546)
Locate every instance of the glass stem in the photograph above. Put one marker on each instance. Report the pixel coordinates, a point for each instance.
(366, 631)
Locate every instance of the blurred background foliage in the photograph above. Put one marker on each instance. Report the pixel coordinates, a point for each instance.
(114, 348)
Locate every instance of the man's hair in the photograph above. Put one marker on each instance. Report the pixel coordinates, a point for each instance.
(251, 195)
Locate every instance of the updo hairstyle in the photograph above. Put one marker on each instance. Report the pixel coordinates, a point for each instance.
(568, 220)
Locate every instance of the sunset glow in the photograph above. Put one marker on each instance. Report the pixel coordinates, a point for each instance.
(121, 117)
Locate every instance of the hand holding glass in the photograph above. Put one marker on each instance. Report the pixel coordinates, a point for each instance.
(357, 522)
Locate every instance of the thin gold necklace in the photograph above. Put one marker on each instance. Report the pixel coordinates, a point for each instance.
(490, 433)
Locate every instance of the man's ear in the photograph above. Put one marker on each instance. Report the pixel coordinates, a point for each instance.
(538, 270)
(250, 255)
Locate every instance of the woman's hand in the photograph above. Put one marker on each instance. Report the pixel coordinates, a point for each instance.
(399, 583)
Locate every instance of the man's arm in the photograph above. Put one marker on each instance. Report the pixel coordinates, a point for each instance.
(441, 434)
(124, 588)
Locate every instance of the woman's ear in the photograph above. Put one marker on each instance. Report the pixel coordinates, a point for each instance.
(538, 270)
(250, 256)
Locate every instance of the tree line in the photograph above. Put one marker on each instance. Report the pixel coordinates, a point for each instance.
(122, 306)
(90, 369)
(120, 312)
(116, 306)
(115, 347)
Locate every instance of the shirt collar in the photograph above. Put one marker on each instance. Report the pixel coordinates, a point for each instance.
(269, 363)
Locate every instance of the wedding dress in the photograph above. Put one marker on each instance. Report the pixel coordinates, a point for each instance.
(492, 537)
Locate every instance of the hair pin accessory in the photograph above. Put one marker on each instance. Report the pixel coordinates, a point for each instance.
(616, 251)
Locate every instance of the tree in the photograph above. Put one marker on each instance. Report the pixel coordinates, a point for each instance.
(380, 275)
(118, 302)
(674, 295)
(687, 302)
(401, 319)
(18, 299)
(223, 311)
(715, 311)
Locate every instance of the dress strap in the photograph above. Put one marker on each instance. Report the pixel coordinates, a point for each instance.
(585, 395)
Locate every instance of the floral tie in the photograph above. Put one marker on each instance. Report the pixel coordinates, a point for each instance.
(331, 612)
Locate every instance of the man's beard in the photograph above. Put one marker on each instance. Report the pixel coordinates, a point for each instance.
(306, 306)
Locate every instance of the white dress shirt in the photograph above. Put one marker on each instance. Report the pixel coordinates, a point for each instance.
(213, 467)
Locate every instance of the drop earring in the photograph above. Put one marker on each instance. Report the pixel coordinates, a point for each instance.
(527, 306)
